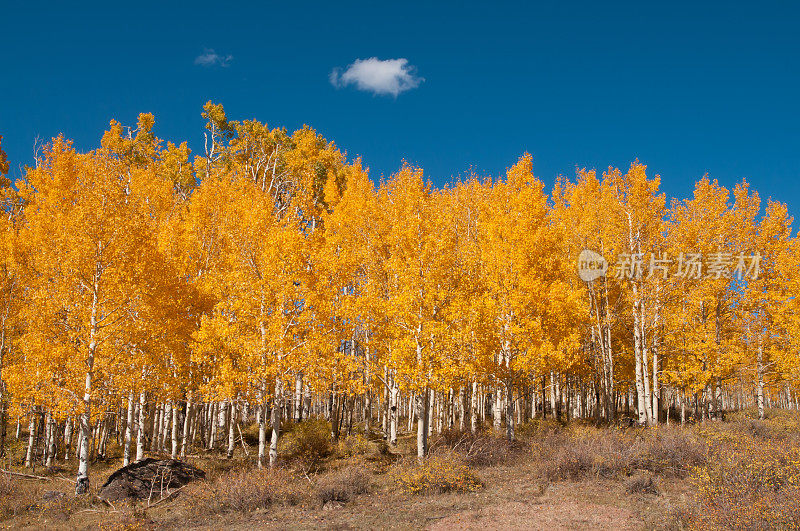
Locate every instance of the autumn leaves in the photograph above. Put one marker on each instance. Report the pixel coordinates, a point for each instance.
(270, 267)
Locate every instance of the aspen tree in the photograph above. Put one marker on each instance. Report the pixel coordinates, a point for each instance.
(640, 216)
(419, 270)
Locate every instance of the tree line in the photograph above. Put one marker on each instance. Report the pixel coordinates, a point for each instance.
(164, 299)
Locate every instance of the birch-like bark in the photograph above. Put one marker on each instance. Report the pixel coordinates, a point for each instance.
(187, 424)
(31, 439)
(641, 404)
(276, 422)
(262, 430)
(140, 434)
(82, 480)
(155, 432)
(421, 407)
(48, 428)
(367, 398)
(497, 410)
(411, 410)
(103, 438)
(297, 401)
(67, 437)
(175, 419)
(166, 418)
(655, 391)
(462, 396)
(648, 401)
(51, 447)
(393, 402)
(473, 408)
(126, 450)
(231, 427)
(509, 413)
(212, 437)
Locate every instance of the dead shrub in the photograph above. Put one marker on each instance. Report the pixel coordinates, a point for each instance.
(245, 491)
(670, 451)
(18, 495)
(439, 473)
(572, 462)
(63, 507)
(477, 449)
(641, 484)
(342, 485)
(760, 429)
(6, 487)
(7, 495)
(584, 452)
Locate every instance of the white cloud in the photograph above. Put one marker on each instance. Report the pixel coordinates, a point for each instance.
(211, 58)
(391, 76)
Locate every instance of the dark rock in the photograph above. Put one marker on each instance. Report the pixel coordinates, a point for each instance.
(149, 479)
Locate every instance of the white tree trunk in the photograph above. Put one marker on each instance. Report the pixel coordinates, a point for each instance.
(141, 435)
(393, 403)
(31, 439)
(164, 426)
(126, 451)
(276, 422)
(641, 400)
(298, 398)
(187, 424)
(461, 409)
(473, 408)
(48, 429)
(497, 412)
(175, 419)
(82, 480)
(421, 406)
(262, 433)
(67, 437)
(231, 427)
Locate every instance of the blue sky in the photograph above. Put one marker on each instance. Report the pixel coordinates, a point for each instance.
(687, 88)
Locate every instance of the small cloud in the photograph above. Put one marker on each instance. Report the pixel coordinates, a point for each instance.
(211, 58)
(391, 76)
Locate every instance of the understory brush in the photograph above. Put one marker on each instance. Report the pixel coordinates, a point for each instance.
(439, 473)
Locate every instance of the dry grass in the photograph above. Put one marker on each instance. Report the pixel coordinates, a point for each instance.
(741, 473)
(245, 491)
(641, 484)
(480, 449)
(752, 478)
(343, 485)
(580, 452)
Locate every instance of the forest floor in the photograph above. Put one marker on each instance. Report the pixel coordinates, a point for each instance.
(554, 477)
